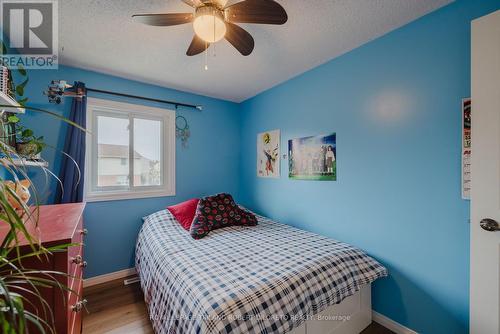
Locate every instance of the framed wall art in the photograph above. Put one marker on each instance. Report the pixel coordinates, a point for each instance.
(268, 154)
(313, 158)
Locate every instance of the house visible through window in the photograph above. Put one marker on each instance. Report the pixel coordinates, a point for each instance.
(131, 151)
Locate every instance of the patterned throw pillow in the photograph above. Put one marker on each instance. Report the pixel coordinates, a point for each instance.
(218, 211)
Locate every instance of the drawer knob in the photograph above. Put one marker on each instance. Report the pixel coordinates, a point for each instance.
(77, 259)
(84, 231)
(79, 305)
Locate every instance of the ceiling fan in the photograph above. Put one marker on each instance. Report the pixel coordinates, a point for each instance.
(213, 20)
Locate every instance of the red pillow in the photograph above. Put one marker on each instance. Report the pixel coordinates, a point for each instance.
(184, 212)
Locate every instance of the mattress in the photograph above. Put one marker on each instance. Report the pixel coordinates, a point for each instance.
(263, 279)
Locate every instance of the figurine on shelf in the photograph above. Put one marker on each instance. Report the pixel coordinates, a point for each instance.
(59, 89)
(21, 189)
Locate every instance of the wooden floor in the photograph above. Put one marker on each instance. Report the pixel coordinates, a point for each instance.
(116, 308)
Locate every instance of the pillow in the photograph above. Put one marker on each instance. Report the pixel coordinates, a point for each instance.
(184, 212)
(218, 211)
(247, 217)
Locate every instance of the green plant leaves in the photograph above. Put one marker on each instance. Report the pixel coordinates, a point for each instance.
(53, 114)
(13, 119)
(21, 86)
(22, 70)
(4, 48)
(24, 83)
(20, 90)
(22, 102)
(27, 133)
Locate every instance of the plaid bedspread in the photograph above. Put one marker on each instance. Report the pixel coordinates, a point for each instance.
(263, 279)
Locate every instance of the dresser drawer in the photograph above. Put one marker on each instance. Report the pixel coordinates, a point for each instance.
(80, 232)
(75, 302)
(76, 265)
(76, 262)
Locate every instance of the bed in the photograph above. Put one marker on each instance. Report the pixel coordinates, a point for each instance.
(270, 278)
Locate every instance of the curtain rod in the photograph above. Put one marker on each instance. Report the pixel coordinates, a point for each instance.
(176, 104)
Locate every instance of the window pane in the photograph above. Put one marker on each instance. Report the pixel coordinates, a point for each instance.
(112, 152)
(147, 155)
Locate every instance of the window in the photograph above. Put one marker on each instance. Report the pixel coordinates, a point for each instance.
(130, 152)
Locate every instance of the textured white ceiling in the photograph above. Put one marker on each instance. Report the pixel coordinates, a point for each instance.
(100, 35)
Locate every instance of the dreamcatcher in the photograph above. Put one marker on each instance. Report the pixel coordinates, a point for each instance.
(182, 130)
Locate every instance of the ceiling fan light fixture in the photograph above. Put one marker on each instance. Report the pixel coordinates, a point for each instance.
(214, 20)
(209, 24)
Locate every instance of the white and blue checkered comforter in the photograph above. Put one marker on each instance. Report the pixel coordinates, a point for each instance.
(262, 279)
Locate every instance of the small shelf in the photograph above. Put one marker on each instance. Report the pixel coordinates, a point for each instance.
(7, 100)
(26, 162)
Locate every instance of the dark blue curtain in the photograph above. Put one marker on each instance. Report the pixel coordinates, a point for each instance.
(71, 175)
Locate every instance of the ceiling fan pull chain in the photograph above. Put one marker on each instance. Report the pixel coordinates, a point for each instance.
(206, 56)
(214, 49)
(214, 29)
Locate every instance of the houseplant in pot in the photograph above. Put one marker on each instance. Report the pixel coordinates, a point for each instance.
(27, 144)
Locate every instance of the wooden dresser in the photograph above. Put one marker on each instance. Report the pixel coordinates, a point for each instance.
(61, 224)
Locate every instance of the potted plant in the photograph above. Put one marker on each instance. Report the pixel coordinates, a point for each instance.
(27, 144)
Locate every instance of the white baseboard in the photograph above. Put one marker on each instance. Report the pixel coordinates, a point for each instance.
(108, 277)
(391, 324)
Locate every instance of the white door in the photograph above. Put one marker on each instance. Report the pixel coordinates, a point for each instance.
(485, 186)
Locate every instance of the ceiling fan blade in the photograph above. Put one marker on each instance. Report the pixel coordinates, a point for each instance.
(162, 20)
(239, 38)
(256, 11)
(221, 3)
(193, 3)
(197, 46)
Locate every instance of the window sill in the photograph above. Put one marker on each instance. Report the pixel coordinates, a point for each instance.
(118, 196)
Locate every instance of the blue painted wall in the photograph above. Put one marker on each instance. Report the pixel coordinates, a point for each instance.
(209, 165)
(395, 106)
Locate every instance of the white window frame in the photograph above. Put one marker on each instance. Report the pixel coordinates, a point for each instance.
(100, 107)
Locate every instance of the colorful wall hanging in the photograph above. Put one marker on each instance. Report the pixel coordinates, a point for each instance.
(268, 154)
(313, 158)
(182, 130)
